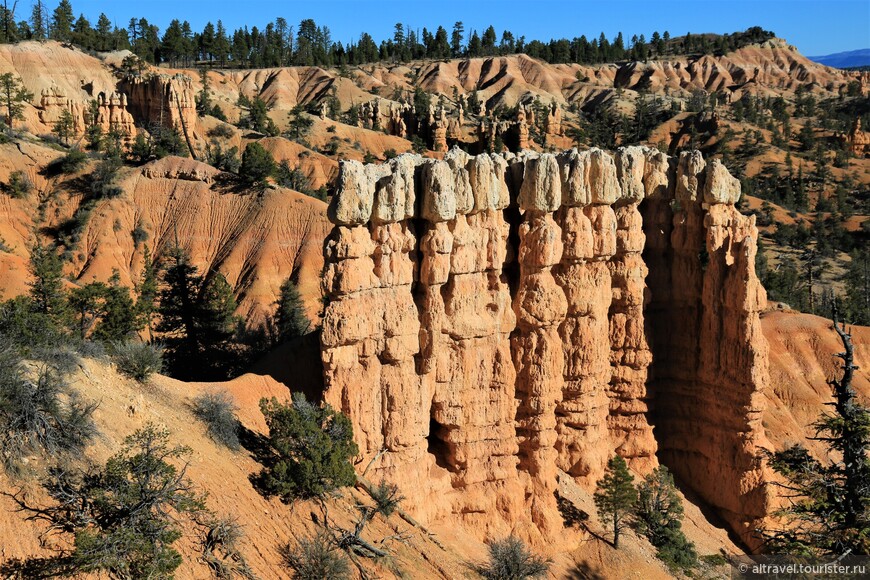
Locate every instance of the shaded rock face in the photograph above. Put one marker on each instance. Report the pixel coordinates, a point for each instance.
(710, 359)
(494, 320)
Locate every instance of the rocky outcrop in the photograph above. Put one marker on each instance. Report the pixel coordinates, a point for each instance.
(111, 112)
(553, 123)
(856, 140)
(493, 320)
(163, 100)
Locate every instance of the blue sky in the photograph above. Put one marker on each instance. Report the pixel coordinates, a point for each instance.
(816, 27)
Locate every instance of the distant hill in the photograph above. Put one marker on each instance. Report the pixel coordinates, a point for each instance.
(852, 58)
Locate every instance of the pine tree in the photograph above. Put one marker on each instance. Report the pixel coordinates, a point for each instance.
(82, 33)
(38, 21)
(257, 165)
(203, 100)
(88, 304)
(64, 127)
(456, 39)
(104, 33)
(488, 41)
(178, 310)
(257, 117)
(46, 288)
(216, 311)
(615, 497)
(857, 281)
(221, 44)
(474, 45)
(93, 130)
(198, 321)
(172, 44)
(147, 292)
(290, 318)
(14, 96)
(119, 321)
(62, 22)
(828, 510)
(300, 123)
(206, 42)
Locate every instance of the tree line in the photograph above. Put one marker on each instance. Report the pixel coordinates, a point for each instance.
(278, 44)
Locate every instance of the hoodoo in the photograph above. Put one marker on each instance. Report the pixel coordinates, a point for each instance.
(495, 320)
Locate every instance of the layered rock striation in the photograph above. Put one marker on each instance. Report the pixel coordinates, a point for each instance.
(493, 320)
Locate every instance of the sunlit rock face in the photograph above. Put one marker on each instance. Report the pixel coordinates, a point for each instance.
(495, 320)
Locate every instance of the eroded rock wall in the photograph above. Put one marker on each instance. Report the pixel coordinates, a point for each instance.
(494, 320)
(711, 360)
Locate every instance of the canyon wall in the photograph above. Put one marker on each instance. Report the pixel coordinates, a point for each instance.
(494, 320)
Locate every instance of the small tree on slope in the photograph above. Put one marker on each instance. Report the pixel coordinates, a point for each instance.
(827, 512)
(615, 497)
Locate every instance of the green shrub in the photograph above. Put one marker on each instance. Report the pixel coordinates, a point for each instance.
(218, 113)
(387, 498)
(224, 131)
(291, 178)
(125, 515)
(103, 178)
(69, 163)
(510, 559)
(658, 516)
(223, 159)
(218, 412)
(137, 360)
(139, 235)
(417, 144)
(19, 185)
(313, 446)
(27, 330)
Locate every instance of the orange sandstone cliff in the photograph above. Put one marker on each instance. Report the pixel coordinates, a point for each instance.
(495, 320)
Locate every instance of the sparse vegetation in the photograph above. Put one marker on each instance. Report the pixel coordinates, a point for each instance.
(316, 557)
(510, 559)
(39, 413)
(217, 410)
